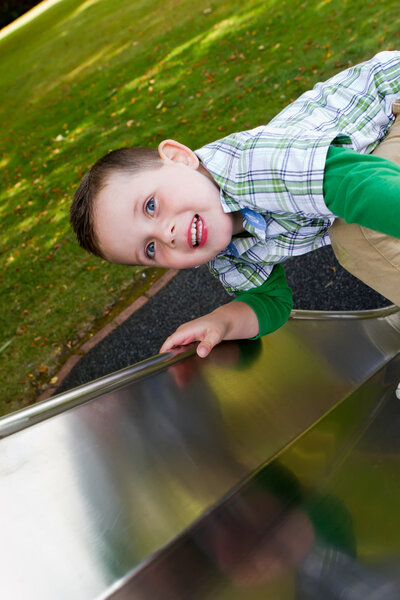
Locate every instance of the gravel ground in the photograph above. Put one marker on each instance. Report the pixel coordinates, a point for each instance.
(317, 280)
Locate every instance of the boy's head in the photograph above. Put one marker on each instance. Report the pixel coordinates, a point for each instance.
(152, 207)
(125, 160)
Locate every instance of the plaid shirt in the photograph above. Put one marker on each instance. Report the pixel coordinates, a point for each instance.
(274, 173)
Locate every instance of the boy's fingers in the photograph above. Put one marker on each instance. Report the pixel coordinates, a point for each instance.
(175, 340)
(207, 344)
(198, 330)
(167, 346)
(203, 350)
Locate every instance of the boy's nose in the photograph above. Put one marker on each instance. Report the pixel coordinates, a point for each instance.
(168, 236)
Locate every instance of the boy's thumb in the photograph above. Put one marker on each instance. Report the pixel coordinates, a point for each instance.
(203, 350)
(206, 345)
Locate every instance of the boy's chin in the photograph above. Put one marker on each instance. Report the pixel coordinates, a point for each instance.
(203, 261)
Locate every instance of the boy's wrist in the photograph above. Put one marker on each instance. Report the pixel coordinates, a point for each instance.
(239, 319)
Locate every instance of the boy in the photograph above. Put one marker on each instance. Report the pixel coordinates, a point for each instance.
(247, 202)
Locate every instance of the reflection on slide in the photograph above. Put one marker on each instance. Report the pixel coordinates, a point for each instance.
(319, 522)
(269, 470)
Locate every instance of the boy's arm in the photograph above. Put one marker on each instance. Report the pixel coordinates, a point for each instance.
(253, 313)
(363, 189)
(232, 321)
(272, 301)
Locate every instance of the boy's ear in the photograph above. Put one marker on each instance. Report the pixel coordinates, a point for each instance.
(173, 151)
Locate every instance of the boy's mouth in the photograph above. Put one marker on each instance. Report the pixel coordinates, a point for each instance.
(197, 233)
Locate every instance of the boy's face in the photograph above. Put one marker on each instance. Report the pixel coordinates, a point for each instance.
(167, 217)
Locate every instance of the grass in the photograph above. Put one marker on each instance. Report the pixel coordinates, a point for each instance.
(82, 78)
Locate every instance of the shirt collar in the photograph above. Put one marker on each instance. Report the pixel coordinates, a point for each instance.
(253, 223)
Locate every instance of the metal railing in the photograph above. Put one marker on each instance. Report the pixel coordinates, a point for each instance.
(324, 315)
(80, 395)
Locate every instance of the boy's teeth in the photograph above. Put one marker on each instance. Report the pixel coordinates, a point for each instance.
(196, 231)
(193, 231)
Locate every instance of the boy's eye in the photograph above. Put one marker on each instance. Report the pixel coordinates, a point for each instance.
(149, 251)
(149, 206)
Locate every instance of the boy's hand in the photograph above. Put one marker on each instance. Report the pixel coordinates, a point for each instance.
(208, 330)
(235, 320)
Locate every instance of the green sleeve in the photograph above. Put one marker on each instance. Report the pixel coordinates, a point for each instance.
(363, 189)
(271, 301)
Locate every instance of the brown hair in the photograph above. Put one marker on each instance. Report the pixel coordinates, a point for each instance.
(125, 160)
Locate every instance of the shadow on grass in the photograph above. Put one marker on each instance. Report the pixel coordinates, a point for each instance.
(83, 78)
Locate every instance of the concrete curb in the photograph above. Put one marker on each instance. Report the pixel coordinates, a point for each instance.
(100, 335)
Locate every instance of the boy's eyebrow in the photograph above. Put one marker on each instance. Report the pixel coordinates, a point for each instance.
(135, 207)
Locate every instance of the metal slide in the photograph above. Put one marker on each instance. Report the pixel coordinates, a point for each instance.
(270, 470)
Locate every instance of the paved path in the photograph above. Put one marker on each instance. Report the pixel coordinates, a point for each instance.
(318, 282)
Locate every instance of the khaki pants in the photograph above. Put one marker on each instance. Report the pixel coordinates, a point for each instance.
(371, 256)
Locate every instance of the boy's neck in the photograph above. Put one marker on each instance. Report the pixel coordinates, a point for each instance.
(205, 172)
(237, 218)
(237, 223)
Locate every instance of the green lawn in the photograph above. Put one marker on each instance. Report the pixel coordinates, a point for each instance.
(82, 78)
